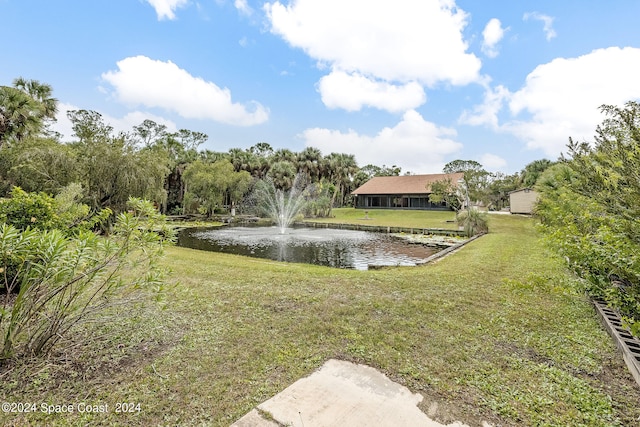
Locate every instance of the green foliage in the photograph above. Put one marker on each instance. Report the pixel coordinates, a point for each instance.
(473, 221)
(64, 281)
(23, 210)
(446, 191)
(41, 211)
(590, 210)
(475, 180)
(113, 168)
(39, 164)
(211, 184)
(499, 188)
(318, 203)
(532, 171)
(25, 109)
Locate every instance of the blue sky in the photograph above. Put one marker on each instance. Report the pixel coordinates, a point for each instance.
(415, 83)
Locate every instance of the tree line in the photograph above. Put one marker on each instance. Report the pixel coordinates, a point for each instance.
(170, 169)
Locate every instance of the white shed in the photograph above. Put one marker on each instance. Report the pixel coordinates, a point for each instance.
(522, 201)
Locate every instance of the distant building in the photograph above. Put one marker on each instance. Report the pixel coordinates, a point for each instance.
(522, 201)
(401, 192)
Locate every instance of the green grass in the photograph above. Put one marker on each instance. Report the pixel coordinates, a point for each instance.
(393, 218)
(497, 331)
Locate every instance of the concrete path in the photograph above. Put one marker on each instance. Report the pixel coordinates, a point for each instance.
(342, 394)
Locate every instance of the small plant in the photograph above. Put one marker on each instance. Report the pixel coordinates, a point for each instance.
(473, 221)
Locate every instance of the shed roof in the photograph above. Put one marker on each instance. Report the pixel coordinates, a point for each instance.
(407, 184)
(526, 189)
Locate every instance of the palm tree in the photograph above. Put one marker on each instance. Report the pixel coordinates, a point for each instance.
(19, 115)
(41, 93)
(533, 170)
(283, 154)
(283, 174)
(341, 167)
(310, 163)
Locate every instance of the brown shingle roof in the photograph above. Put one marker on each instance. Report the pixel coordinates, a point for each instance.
(408, 184)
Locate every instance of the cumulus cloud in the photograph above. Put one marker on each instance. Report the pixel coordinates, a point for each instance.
(414, 143)
(367, 92)
(157, 84)
(491, 36)
(397, 42)
(561, 99)
(492, 162)
(546, 20)
(165, 9)
(487, 112)
(122, 124)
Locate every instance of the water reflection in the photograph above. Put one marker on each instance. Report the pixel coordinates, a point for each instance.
(325, 246)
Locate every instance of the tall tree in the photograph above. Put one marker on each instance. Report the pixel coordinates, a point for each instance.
(112, 168)
(210, 184)
(532, 171)
(341, 168)
(25, 109)
(42, 94)
(475, 179)
(282, 173)
(310, 163)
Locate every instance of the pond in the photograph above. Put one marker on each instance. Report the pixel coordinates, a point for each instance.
(322, 246)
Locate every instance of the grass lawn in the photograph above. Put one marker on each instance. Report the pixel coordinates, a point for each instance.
(496, 331)
(393, 218)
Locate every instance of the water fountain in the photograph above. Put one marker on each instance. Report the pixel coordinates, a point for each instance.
(281, 206)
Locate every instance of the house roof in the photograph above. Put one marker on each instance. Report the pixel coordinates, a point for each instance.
(407, 184)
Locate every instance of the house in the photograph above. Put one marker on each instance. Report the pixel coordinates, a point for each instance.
(522, 201)
(401, 192)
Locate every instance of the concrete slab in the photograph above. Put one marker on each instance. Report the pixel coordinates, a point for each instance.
(342, 394)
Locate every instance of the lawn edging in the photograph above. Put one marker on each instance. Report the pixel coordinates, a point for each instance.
(450, 249)
(627, 344)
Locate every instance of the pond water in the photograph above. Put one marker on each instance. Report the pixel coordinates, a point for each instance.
(323, 246)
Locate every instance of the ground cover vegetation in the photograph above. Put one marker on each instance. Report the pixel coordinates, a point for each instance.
(590, 210)
(500, 331)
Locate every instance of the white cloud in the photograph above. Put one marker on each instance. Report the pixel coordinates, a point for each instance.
(165, 9)
(243, 7)
(414, 144)
(400, 42)
(546, 20)
(491, 36)
(156, 84)
(353, 91)
(492, 162)
(561, 99)
(487, 112)
(123, 124)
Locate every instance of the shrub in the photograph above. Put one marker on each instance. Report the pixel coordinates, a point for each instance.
(589, 210)
(473, 221)
(43, 212)
(66, 280)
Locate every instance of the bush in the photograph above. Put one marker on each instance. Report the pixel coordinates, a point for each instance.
(33, 210)
(589, 210)
(43, 212)
(473, 221)
(66, 280)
